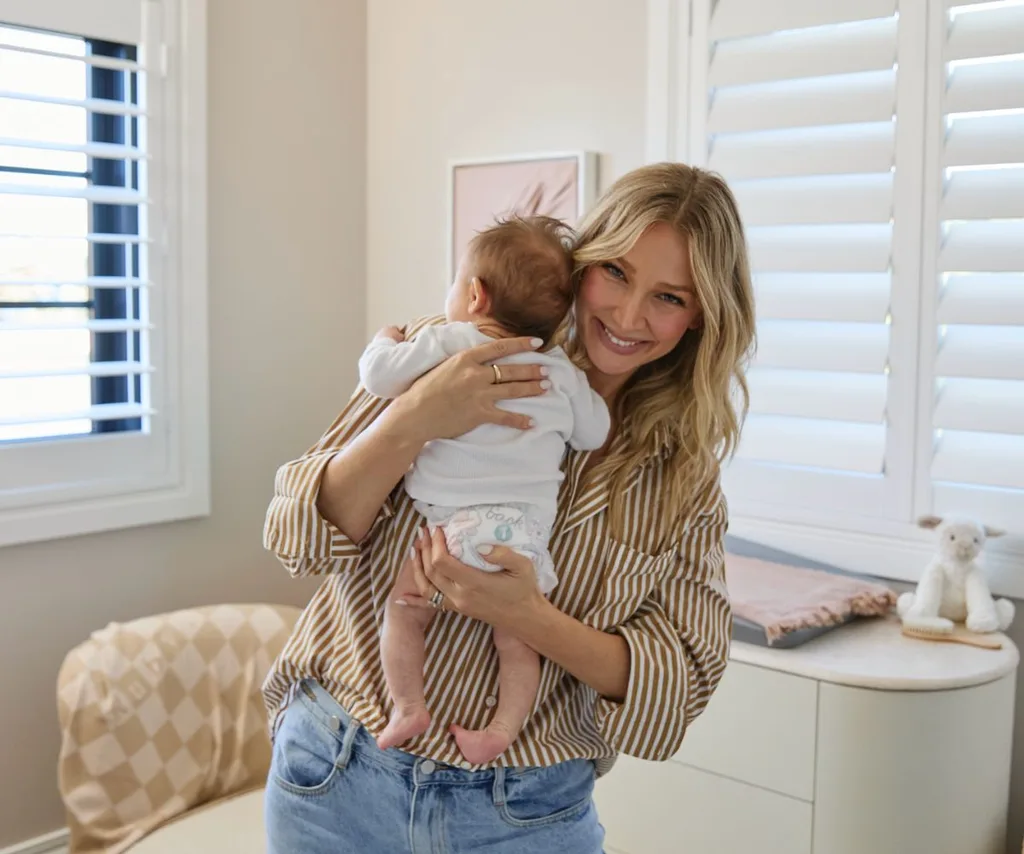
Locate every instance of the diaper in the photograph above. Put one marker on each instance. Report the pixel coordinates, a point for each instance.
(520, 527)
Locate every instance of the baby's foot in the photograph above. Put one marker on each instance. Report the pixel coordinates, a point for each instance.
(480, 746)
(406, 722)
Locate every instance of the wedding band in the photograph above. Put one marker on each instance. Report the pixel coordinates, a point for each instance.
(436, 599)
(497, 373)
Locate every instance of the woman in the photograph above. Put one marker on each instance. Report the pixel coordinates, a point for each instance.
(635, 637)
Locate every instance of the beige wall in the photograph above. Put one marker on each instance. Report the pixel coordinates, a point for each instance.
(287, 275)
(463, 78)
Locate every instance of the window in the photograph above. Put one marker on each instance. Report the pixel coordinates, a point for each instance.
(876, 150)
(102, 280)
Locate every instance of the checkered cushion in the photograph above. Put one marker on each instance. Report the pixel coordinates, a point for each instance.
(162, 714)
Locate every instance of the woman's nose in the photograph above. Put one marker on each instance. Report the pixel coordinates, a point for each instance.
(630, 314)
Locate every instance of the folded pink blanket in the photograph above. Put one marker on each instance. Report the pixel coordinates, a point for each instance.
(783, 598)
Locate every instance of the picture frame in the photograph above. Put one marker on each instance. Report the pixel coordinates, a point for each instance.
(479, 190)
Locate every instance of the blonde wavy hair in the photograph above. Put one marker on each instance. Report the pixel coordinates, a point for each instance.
(690, 403)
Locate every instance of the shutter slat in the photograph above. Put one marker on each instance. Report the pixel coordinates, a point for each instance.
(90, 282)
(983, 299)
(100, 412)
(984, 140)
(105, 150)
(90, 326)
(93, 369)
(97, 194)
(816, 200)
(128, 239)
(736, 18)
(995, 31)
(860, 46)
(818, 394)
(813, 102)
(822, 248)
(985, 194)
(993, 352)
(983, 247)
(836, 149)
(987, 459)
(92, 60)
(992, 406)
(854, 347)
(829, 445)
(990, 86)
(92, 105)
(858, 297)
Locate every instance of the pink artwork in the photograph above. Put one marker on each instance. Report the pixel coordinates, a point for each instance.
(558, 185)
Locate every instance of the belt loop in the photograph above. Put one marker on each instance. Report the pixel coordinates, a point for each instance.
(498, 792)
(351, 731)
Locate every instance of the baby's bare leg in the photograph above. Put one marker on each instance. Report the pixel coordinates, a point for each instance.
(402, 653)
(518, 680)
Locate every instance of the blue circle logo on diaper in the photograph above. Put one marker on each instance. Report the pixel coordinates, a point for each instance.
(503, 533)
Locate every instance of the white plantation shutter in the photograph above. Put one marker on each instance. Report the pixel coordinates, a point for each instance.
(809, 110)
(972, 341)
(92, 269)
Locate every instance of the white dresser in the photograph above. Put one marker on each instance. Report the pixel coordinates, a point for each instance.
(859, 741)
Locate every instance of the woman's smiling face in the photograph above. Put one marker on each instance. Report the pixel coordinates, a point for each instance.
(635, 309)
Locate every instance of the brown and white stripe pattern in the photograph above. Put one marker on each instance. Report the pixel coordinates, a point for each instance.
(662, 588)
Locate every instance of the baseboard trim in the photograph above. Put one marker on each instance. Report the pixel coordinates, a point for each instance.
(48, 843)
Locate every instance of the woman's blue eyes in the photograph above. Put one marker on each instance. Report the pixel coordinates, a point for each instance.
(616, 272)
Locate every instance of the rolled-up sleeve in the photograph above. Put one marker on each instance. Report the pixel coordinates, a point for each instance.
(303, 540)
(678, 644)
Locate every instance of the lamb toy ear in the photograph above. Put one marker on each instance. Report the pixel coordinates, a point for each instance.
(994, 532)
(929, 521)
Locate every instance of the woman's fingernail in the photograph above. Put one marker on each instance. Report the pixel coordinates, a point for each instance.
(402, 602)
(484, 550)
(536, 342)
(412, 552)
(545, 384)
(544, 372)
(530, 422)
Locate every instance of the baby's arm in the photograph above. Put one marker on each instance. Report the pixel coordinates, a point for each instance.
(388, 367)
(591, 419)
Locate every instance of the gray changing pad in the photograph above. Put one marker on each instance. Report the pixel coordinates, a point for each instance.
(753, 633)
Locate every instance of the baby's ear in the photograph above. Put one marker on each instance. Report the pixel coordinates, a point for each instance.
(929, 521)
(994, 532)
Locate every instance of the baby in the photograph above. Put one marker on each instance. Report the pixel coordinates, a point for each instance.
(494, 484)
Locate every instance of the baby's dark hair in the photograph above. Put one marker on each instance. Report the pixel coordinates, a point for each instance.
(525, 265)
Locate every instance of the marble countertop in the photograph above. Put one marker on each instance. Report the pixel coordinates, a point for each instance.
(872, 653)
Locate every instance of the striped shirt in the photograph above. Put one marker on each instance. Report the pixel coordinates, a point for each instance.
(661, 587)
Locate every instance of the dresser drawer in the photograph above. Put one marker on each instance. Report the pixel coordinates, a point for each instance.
(667, 808)
(759, 728)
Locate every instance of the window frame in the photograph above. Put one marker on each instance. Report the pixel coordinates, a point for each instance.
(888, 547)
(91, 483)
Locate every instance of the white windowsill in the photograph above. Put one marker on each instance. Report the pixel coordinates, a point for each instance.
(898, 558)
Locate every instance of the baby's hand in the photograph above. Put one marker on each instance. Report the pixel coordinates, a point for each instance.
(392, 332)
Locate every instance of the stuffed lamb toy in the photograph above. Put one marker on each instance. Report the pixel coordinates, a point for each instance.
(953, 587)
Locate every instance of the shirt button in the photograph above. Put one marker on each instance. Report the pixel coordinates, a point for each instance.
(465, 765)
(428, 767)
(490, 702)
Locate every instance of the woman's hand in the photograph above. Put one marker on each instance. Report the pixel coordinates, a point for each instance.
(502, 599)
(462, 392)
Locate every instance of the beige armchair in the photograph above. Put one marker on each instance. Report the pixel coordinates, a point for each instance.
(164, 744)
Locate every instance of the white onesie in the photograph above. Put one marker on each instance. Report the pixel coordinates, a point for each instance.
(493, 484)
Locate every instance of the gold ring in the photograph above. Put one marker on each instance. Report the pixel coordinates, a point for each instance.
(497, 373)
(437, 599)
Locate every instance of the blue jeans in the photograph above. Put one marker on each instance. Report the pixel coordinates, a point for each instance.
(332, 791)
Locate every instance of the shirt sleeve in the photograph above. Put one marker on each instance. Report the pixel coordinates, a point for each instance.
(303, 540)
(591, 418)
(678, 644)
(387, 367)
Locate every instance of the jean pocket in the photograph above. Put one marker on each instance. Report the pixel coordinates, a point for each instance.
(541, 796)
(307, 757)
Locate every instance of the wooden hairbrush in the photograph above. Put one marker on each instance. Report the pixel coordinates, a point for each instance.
(954, 633)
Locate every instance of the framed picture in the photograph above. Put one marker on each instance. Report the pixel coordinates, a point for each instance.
(559, 184)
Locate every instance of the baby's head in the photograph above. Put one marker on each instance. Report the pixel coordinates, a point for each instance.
(516, 274)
